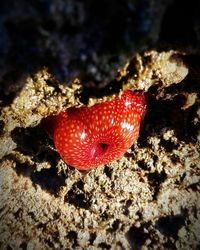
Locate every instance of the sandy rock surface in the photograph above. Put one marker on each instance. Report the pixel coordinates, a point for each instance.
(149, 199)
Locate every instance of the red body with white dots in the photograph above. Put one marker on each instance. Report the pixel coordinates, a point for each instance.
(88, 137)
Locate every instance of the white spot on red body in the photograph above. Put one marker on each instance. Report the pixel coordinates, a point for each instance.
(83, 136)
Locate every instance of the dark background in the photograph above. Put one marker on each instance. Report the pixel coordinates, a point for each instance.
(89, 39)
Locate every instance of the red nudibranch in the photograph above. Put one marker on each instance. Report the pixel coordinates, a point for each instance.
(89, 137)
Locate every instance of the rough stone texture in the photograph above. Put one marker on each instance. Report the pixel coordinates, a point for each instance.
(149, 199)
(58, 54)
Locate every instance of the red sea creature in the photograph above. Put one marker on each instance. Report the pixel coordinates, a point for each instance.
(88, 137)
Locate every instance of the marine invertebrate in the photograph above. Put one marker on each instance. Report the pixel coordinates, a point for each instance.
(88, 137)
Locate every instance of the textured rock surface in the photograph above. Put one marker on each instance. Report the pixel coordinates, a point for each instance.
(58, 54)
(149, 199)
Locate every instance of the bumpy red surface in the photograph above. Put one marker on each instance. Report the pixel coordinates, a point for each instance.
(88, 137)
